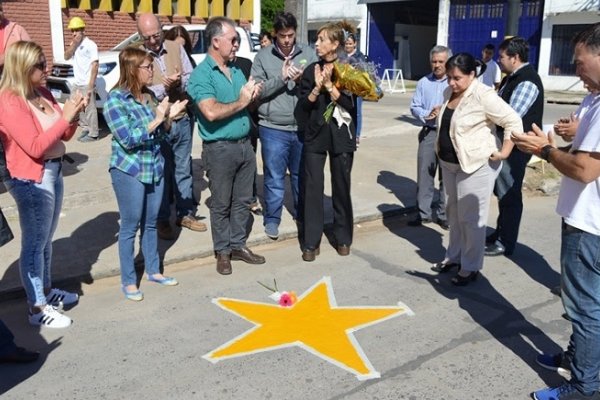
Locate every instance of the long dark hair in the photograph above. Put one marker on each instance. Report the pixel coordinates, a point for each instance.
(180, 31)
(466, 64)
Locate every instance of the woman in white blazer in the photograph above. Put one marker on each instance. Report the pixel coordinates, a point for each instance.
(471, 154)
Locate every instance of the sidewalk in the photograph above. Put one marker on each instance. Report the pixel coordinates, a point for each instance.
(85, 244)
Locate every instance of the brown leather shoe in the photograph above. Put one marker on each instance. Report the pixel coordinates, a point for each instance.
(343, 249)
(224, 264)
(310, 255)
(192, 223)
(164, 230)
(245, 254)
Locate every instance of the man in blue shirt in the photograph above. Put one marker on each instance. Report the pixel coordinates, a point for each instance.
(221, 95)
(425, 106)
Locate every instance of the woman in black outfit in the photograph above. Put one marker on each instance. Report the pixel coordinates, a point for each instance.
(336, 137)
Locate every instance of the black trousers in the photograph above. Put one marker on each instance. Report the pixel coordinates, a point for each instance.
(508, 189)
(313, 190)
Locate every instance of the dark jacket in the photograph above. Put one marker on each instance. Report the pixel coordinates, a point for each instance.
(318, 135)
(510, 83)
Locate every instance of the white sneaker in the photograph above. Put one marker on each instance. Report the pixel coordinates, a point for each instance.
(50, 317)
(57, 296)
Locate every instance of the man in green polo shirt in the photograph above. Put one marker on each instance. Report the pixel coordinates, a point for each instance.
(221, 94)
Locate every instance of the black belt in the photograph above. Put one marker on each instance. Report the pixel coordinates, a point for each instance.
(66, 158)
(570, 229)
(229, 141)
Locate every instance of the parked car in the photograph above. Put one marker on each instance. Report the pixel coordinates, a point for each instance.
(255, 41)
(61, 79)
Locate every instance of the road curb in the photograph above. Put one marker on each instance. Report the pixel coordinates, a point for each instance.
(286, 234)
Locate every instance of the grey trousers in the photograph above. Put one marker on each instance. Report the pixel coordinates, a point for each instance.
(88, 117)
(230, 167)
(467, 207)
(427, 166)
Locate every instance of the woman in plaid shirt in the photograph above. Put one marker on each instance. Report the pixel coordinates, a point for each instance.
(137, 122)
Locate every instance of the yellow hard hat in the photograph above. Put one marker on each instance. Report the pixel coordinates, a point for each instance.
(76, 23)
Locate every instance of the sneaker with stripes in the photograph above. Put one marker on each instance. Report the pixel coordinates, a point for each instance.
(50, 317)
(57, 296)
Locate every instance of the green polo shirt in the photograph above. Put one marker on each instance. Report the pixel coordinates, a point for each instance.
(206, 82)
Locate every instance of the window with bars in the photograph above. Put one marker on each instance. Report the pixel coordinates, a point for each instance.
(561, 52)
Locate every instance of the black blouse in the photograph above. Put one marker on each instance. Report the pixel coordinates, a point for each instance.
(318, 135)
(446, 151)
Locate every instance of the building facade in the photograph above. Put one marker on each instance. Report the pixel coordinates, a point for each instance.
(401, 33)
(108, 22)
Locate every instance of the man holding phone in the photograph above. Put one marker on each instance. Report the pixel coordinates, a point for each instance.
(280, 66)
(84, 53)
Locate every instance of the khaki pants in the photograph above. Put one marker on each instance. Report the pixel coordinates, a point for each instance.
(467, 209)
(88, 117)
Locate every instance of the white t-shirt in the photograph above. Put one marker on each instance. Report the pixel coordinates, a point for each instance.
(492, 74)
(84, 56)
(578, 202)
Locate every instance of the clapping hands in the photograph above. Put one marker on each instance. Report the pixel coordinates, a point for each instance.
(250, 91)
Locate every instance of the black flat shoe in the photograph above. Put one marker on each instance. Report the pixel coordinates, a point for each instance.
(442, 267)
(459, 280)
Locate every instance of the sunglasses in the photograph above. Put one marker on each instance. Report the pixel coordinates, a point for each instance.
(149, 67)
(156, 37)
(41, 66)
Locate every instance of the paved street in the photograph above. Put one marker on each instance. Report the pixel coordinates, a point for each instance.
(477, 342)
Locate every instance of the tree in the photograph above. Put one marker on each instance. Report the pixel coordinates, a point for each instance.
(268, 9)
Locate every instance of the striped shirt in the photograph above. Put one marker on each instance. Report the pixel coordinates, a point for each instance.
(135, 150)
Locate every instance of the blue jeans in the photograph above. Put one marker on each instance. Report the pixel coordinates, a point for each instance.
(359, 102)
(230, 167)
(177, 152)
(580, 275)
(39, 207)
(138, 206)
(281, 151)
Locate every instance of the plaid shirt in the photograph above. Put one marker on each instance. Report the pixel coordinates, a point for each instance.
(135, 151)
(523, 97)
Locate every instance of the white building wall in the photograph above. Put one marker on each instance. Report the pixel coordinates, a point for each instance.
(562, 6)
(551, 18)
(322, 11)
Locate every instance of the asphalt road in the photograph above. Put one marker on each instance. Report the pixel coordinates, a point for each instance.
(477, 342)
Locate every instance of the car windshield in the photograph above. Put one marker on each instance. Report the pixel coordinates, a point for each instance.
(198, 41)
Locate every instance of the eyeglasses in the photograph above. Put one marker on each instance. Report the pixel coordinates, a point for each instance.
(234, 40)
(149, 67)
(157, 36)
(41, 66)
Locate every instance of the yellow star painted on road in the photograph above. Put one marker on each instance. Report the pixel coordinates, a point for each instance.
(315, 323)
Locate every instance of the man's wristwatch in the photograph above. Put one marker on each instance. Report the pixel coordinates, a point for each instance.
(545, 152)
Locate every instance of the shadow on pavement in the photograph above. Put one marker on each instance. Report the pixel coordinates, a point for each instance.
(73, 257)
(490, 310)
(535, 265)
(27, 336)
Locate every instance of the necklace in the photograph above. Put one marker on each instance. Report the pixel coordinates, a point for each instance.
(37, 101)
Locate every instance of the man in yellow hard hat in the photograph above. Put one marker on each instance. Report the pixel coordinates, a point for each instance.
(84, 53)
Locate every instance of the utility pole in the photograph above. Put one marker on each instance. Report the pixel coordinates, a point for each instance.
(512, 19)
(298, 8)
